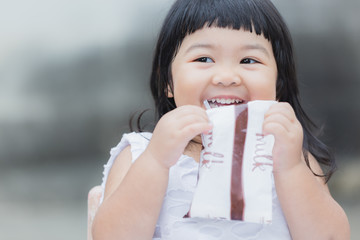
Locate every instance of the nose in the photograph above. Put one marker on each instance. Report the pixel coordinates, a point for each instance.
(226, 78)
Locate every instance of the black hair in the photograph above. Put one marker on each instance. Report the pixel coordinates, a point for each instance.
(259, 16)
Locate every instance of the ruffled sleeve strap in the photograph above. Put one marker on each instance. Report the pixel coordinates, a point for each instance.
(138, 143)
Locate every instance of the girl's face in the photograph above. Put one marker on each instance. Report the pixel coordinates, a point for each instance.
(223, 66)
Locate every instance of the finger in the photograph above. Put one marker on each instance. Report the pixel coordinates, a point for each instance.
(190, 109)
(193, 117)
(195, 129)
(280, 119)
(185, 111)
(283, 108)
(275, 129)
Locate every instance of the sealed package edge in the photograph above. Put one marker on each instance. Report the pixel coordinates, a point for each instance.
(235, 171)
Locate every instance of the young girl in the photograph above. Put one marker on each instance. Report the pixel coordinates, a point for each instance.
(230, 52)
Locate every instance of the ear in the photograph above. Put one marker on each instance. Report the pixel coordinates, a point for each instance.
(169, 92)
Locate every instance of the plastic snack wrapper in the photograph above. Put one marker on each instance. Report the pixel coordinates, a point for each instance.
(235, 171)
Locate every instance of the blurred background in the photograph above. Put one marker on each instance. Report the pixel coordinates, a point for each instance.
(72, 72)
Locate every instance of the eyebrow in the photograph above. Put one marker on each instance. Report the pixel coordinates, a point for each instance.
(256, 47)
(199, 45)
(246, 47)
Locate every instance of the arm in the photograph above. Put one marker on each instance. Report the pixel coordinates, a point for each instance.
(134, 193)
(309, 209)
(131, 206)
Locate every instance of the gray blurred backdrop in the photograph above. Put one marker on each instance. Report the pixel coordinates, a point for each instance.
(72, 72)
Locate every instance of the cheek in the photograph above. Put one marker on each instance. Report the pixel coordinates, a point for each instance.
(186, 81)
(263, 89)
(182, 90)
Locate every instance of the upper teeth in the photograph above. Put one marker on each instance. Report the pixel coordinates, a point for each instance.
(225, 101)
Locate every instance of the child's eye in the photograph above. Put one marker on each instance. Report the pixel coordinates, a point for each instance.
(204, 60)
(248, 61)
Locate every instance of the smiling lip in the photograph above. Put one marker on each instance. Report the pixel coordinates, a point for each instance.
(220, 101)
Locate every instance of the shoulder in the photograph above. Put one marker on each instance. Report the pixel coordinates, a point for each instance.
(118, 171)
(135, 138)
(137, 141)
(122, 156)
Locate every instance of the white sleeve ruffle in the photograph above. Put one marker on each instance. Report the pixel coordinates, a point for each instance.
(138, 143)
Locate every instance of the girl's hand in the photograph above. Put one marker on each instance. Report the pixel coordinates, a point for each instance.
(174, 131)
(280, 121)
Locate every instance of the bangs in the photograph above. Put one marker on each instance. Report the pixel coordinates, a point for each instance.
(187, 16)
(242, 14)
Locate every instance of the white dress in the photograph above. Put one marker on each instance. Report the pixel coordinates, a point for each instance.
(182, 182)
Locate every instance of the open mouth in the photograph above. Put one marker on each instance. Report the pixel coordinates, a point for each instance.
(220, 102)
